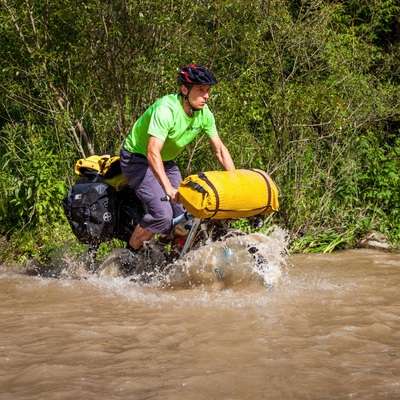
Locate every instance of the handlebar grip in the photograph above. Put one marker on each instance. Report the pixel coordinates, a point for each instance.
(166, 198)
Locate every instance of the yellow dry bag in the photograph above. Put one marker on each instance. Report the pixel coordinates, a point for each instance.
(106, 165)
(229, 194)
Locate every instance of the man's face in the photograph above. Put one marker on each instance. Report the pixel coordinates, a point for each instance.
(198, 95)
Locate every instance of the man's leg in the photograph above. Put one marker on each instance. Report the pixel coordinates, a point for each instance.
(175, 177)
(158, 214)
(137, 170)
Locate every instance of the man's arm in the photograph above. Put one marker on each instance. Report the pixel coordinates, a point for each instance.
(222, 153)
(155, 161)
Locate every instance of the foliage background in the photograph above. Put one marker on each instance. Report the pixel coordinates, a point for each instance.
(309, 92)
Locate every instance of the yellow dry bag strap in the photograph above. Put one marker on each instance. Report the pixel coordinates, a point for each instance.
(269, 189)
(197, 187)
(205, 179)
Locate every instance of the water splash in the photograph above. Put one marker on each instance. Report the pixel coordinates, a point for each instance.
(236, 261)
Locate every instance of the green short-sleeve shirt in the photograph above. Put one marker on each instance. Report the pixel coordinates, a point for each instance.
(166, 120)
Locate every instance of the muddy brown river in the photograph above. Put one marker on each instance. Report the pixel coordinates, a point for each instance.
(328, 328)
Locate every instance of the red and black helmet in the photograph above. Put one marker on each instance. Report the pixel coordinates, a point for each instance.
(196, 75)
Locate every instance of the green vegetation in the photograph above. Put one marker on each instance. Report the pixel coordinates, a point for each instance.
(309, 92)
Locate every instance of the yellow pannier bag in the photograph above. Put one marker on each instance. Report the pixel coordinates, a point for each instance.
(118, 182)
(88, 165)
(229, 194)
(105, 165)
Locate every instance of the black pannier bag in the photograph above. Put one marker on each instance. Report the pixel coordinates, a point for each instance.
(90, 209)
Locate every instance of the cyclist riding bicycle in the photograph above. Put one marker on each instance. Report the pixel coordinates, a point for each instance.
(157, 138)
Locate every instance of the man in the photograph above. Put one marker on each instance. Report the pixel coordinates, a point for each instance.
(157, 138)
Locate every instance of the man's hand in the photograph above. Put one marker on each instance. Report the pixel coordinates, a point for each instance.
(174, 195)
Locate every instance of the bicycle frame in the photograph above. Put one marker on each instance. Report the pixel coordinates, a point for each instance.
(196, 223)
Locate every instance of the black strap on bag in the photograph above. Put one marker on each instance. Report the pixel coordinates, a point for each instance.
(203, 176)
(269, 190)
(197, 187)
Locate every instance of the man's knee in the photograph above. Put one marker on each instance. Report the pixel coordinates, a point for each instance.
(165, 224)
(158, 221)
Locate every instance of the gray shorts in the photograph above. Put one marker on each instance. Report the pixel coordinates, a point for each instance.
(158, 214)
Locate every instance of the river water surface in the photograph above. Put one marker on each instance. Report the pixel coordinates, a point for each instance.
(329, 329)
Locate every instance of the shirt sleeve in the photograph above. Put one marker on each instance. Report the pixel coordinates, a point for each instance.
(209, 126)
(161, 121)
